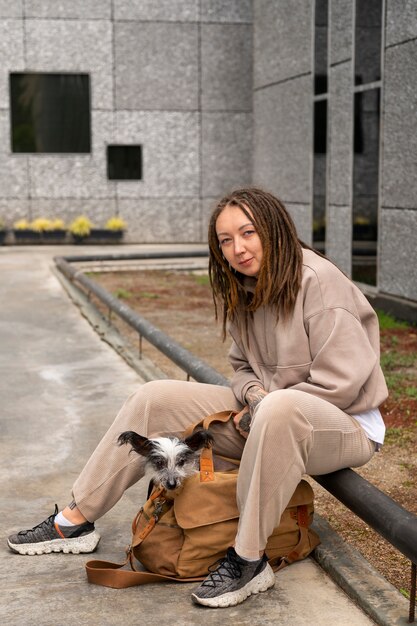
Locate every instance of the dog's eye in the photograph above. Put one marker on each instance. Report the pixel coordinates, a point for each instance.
(159, 464)
(180, 462)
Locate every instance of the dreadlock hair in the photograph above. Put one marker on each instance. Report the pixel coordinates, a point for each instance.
(279, 278)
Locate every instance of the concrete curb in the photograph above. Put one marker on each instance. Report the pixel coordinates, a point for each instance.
(358, 579)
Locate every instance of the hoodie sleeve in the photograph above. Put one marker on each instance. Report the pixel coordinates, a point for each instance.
(342, 358)
(244, 376)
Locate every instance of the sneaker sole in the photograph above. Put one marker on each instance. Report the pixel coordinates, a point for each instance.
(262, 582)
(76, 545)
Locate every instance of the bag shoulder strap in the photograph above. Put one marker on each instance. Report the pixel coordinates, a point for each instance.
(110, 574)
(221, 416)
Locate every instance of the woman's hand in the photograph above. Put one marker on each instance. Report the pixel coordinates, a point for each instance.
(254, 396)
(243, 420)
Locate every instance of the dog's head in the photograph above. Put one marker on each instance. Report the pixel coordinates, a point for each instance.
(168, 460)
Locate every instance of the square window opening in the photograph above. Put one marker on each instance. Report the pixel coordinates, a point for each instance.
(124, 162)
(50, 113)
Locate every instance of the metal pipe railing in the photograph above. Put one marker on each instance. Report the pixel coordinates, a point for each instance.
(388, 518)
(192, 365)
(397, 525)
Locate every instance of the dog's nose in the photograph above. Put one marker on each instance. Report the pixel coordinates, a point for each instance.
(171, 484)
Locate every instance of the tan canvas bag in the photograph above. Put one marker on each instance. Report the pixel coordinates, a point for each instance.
(178, 538)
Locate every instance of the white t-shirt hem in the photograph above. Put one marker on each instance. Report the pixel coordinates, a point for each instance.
(373, 425)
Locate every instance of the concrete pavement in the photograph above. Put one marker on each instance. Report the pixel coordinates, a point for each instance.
(60, 388)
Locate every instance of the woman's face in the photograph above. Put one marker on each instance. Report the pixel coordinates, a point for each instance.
(239, 241)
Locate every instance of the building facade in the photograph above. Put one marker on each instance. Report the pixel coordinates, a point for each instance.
(153, 109)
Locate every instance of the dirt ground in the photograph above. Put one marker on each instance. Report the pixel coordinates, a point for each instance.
(180, 304)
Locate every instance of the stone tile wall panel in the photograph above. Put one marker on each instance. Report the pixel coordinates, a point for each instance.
(170, 152)
(398, 253)
(11, 9)
(339, 236)
(301, 215)
(341, 24)
(226, 152)
(158, 220)
(14, 209)
(399, 164)
(74, 46)
(283, 140)
(282, 40)
(11, 58)
(162, 10)
(401, 21)
(98, 210)
(340, 121)
(226, 67)
(230, 11)
(75, 176)
(68, 9)
(13, 168)
(156, 65)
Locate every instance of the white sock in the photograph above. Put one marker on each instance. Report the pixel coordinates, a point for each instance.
(61, 520)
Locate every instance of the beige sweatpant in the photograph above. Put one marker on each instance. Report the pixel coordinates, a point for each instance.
(293, 433)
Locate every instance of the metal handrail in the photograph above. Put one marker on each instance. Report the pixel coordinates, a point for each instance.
(397, 525)
(192, 365)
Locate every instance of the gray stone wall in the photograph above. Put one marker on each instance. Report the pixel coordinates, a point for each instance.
(340, 144)
(220, 95)
(174, 76)
(283, 112)
(283, 118)
(398, 217)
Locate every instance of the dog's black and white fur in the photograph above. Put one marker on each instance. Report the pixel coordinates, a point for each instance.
(169, 460)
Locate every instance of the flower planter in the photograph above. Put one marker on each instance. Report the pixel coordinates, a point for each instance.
(52, 237)
(99, 236)
(26, 236)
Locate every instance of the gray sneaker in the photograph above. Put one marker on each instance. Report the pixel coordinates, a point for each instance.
(233, 580)
(48, 537)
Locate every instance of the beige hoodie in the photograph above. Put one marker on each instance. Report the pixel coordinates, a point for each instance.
(329, 347)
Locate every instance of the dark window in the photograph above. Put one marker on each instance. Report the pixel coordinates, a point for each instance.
(368, 34)
(320, 47)
(124, 162)
(320, 123)
(319, 174)
(320, 127)
(50, 113)
(365, 187)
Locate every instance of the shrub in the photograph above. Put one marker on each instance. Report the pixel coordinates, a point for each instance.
(81, 226)
(57, 224)
(40, 224)
(21, 225)
(116, 224)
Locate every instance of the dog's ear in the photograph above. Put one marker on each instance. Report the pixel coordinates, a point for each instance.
(199, 439)
(141, 445)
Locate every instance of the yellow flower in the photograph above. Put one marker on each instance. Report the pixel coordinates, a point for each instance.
(21, 225)
(115, 223)
(81, 226)
(40, 224)
(57, 224)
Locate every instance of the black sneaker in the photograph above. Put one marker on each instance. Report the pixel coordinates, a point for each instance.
(233, 580)
(48, 537)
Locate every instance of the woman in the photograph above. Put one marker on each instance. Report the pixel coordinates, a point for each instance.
(305, 354)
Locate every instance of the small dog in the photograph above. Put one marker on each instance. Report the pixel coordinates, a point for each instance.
(169, 460)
